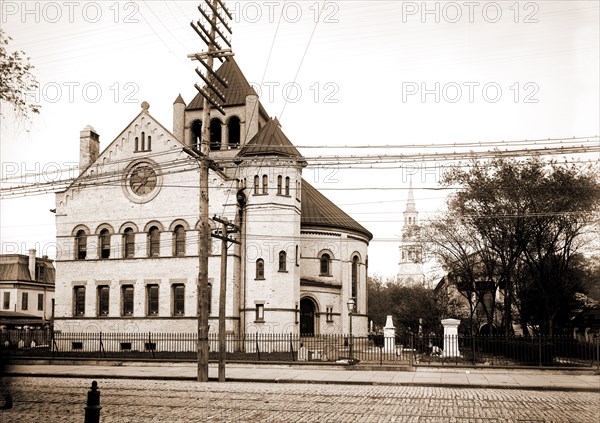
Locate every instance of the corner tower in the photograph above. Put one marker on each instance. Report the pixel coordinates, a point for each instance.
(270, 170)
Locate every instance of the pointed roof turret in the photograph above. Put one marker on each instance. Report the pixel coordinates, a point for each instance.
(270, 141)
(179, 100)
(237, 90)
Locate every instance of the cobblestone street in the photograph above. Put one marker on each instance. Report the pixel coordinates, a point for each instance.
(138, 401)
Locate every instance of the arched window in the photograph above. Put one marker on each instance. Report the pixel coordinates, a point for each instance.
(137, 144)
(265, 184)
(154, 242)
(129, 243)
(256, 180)
(355, 263)
(104, 252)
(179, 235)
(287, 185)
(279, 184)
(143, 143)
(196, 135)
(149, 146)
(234, 132)
(260, 269)
(282, 261)
(325, 265)
(81, 245)
(215, 134)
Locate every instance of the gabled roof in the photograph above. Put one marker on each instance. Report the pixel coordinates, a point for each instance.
(319, 211)
(270, 141)
(236, 92)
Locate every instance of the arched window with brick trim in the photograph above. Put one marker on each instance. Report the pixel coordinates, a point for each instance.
(256, 182)
(325, 264)
(234, 130)
(128, 243)
(215, 134)
(104, 244)
(260, 269)
(153, 242)
(282, 261)
(179, 236)
(355, 276)
(81, 245)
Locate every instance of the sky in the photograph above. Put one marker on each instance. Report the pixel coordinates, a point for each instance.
(378, 78)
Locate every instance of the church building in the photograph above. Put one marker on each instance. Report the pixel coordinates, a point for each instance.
(411, 250)
(127, 229)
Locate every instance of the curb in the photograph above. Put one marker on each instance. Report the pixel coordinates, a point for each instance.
(313, 382)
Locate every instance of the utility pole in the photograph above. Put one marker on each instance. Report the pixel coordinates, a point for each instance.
(211, 13)
(226, 229)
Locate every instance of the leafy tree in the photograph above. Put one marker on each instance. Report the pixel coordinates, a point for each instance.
(16, 79)
(412, 308)
(524, 221)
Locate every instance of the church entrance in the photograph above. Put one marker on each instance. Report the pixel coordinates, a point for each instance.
(307, 317)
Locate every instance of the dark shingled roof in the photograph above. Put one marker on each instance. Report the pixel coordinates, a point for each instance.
(319, 211)
(237, 90)
(15, 267)
(270, 141)
(179, 100)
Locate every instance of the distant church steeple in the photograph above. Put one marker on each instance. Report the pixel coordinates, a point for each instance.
(411, 260)
(411, 216)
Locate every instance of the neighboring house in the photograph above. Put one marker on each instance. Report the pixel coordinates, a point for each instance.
(464, 302)
(26, 290)
(586, 320)
(127, 229)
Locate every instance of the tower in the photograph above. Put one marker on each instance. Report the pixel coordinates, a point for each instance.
(411, 251)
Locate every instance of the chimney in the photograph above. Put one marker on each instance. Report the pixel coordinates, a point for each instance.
(179, 119)
(252, 117)
(32, 264)
(89, 147)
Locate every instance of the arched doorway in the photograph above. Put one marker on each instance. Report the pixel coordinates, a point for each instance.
(308, 310)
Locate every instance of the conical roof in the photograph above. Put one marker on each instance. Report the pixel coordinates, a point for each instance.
(270, 141)
(237, 90)
(319, 211)
(410, 202)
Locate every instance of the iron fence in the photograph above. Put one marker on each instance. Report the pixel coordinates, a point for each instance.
(406, 349)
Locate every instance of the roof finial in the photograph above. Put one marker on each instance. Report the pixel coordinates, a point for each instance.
(145, 106)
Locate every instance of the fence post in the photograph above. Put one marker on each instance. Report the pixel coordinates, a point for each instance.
(597, 342)
(101, 351)
(412, 351)
(540, 349)
(257, 347)
(292, 347)
(92, 408)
